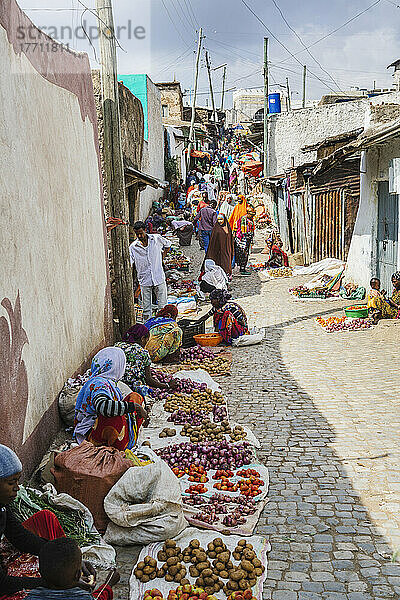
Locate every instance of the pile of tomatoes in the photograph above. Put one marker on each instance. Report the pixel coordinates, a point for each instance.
(198, 474)
(223, 474)
(196, 489)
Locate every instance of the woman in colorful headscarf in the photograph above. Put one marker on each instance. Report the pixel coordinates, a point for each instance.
(102, 415)
(389, 308)
(230, 320)
(239, 211)
(277, 258)
(165, 335)
(244, 235)
(138, 373)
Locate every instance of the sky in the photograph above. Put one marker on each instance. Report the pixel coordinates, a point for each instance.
(160, 38)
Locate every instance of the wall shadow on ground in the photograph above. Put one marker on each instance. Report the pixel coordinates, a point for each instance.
(324, 545)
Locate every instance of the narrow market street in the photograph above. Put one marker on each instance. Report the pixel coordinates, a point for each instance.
(325, 409)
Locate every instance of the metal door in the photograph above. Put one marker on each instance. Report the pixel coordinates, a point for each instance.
(329, 210)
(388, 227)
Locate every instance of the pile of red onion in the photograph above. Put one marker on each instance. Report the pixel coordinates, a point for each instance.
(195, 353)
(219, 413)
(211, 455)
(180, 417)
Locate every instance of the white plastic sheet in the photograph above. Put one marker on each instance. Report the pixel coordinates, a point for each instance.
(261, 547)
(325, 265)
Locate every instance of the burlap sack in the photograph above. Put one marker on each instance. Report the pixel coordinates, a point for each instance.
(87, 473)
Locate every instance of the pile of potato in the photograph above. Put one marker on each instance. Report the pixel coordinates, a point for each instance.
(201, 568)
(245, 575)
(197, 401)
(146, 569)
(220, 365)
(172, 569)
(167, 432)
(238, 434)
(221, 556)
(206, 431)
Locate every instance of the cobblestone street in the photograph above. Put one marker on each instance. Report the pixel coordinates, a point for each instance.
(325, 408)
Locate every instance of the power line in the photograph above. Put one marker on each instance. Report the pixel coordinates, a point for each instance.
(179, 12)
(188, 2)
(282, 44)
(338, 28)
(192, 22)
(174, 24)
(302, 43)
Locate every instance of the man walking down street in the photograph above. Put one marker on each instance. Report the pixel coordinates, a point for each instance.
(206, 218)
(147, 253)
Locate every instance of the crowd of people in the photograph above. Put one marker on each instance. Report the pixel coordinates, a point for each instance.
(210, 205)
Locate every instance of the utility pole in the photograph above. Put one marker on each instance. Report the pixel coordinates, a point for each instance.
(191, 131)
(289, 100)
(114, 168)
(266, 107)
(304, 85)
(211, 87)
(223, 89)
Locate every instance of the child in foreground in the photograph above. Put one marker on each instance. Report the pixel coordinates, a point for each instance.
(60, 566)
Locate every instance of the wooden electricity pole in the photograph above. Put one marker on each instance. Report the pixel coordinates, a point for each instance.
(223, 89)
(211, 87)
(191, 131)
(289, 99)
(266, 107)
(304, 85)
(123, 301)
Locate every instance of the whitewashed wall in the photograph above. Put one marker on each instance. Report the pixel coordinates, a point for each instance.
(289, 132)
(153, 149)
(52, 250)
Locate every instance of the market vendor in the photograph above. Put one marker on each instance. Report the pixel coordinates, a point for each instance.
(138, 373)
(165, 335)
(388, 308)
(277, 257)
(230, 320)
(29, 537)
(213, 277)
(102, 416)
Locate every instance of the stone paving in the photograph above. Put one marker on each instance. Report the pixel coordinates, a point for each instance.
(325, 408)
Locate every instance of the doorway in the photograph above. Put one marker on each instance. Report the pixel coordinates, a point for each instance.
(387, 238)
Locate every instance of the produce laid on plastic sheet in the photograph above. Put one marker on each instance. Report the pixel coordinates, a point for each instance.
(220, 565)
(223, 488)
(217, 362)
(280, 272)
(341, 324)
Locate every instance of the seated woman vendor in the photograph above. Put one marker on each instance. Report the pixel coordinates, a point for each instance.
(165, 335)
(277, 257)
(229, 318)
(28, 537)
(385, 308)
(138, 373)
(102, 416)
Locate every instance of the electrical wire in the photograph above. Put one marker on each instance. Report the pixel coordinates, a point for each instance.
(303, 44)
(338, 28)
(283, 45)
(181, 12)
(191, 11)
(173, 23)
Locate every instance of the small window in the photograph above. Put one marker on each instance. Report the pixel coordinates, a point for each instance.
(164, 109)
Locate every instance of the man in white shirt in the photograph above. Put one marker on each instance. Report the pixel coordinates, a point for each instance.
(147, 253)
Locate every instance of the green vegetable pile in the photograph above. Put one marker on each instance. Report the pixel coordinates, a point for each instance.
(28, 502)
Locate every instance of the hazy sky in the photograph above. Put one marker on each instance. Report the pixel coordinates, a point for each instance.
(356, 55)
